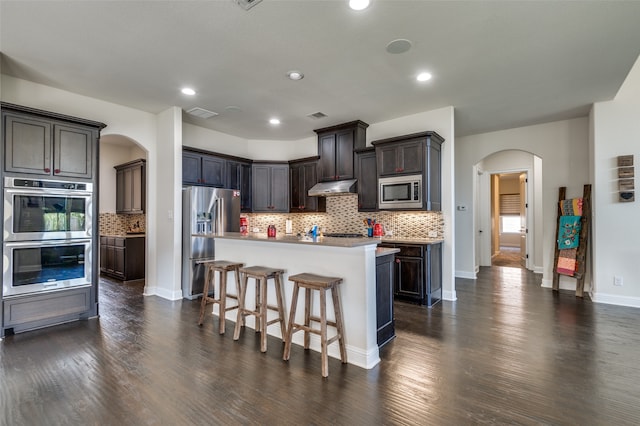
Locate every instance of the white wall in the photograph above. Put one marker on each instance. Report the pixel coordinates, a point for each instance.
(211, 140)
(616, 131)
(563, 149)
(168, 207)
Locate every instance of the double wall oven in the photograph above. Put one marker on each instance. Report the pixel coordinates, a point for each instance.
(47, 234)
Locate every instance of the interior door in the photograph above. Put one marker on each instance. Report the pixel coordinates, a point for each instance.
(523, 220)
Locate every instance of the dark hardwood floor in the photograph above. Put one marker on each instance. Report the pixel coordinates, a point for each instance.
(507, 352)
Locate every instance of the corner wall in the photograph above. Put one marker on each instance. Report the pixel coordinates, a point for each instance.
(616, 233)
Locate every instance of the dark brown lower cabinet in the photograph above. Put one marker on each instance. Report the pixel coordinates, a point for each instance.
(418, 272)
(384, 297)
(122, 257)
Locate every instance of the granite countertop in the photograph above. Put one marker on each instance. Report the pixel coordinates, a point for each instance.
(383, 251)
(400, 240)
(293, 239)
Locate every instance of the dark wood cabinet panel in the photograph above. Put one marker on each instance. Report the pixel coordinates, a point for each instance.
(131, 187)
(303, 175)
(418, 153)
(434, 182)
(203, 169)
(384, 299)
(410, 282)
(122, 257)
(191, 168)
(401, 158)
(72, 151)
(418, 272)
(40, 147)
(27, 145)
(335, 148)
(239, 177)
(367, 180)
(345, 141)
(213, 171)
(270, 187)
(327, 153)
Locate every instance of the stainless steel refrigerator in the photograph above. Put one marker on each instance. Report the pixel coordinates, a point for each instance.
(205, 212)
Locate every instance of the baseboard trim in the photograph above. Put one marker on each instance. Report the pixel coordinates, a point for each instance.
(466, 275)
(449, 295)
(612, 299)
(161, 292)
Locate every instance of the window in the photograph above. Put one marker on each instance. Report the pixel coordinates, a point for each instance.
(510, 213)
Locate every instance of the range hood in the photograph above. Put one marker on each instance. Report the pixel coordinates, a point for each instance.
(338, 187)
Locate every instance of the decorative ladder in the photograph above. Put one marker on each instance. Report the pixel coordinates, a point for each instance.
(581, 253)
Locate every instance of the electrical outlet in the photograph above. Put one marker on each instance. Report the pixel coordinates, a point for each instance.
(617, 280)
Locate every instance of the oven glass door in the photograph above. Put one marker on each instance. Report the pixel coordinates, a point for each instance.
(38, 216)
(397, 192)
(43, 266)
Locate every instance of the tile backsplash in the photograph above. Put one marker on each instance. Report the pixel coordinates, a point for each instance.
(342, 216)
(119, 224)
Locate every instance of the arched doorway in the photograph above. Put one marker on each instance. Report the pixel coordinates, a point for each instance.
(116, 150)
(516, 231)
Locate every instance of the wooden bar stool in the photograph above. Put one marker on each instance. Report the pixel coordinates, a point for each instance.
(222, 267)
(261, 274)
(322, 284)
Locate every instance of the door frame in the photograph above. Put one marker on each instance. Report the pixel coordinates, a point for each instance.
(483, 215)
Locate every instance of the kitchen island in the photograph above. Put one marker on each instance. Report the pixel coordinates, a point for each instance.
(352, 259)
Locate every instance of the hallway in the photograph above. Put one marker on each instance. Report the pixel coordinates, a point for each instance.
(507, 352)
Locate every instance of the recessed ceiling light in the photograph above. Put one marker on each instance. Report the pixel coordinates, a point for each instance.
(423, 76)
(188, 91)
(295, 75)
(274, 121)
(358, 4)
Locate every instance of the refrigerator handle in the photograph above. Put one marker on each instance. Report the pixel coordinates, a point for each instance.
(219, 212)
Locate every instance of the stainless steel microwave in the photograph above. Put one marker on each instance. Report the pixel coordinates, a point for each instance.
(400, 192)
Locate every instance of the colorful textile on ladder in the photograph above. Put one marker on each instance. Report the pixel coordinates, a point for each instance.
(569, 232)
(572, 207)
(567, 263)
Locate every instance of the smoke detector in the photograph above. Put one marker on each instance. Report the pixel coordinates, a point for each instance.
(201, 113)
(247, 4)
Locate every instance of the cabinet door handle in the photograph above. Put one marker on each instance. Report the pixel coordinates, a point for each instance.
(47, 170)
(397, 260)
(56, 171)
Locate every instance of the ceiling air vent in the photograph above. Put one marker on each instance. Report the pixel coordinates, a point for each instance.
(317, 115)
(201, 113)
(247, 4)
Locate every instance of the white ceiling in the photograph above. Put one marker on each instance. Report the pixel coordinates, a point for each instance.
(499, 64)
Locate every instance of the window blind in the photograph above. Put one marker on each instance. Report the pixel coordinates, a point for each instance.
(509, 204)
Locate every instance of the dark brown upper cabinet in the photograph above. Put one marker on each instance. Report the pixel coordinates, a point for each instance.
(38, 146)
(203, 169)
(417, 153)
(131, 187)
(401, 158)
(303, 175)
(367, 179)
(335, 148)
(239, 177)
(270, 187)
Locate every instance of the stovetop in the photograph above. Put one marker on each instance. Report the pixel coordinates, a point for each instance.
(343, 235)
